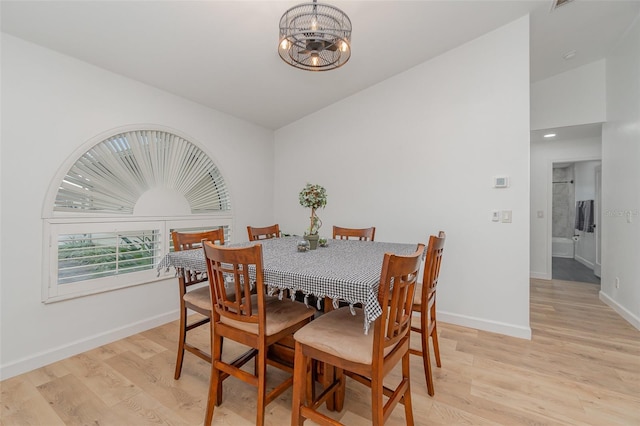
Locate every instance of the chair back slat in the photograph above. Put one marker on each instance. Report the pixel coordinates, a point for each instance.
(193, 240)
(233, 267)
(432, 262)
(395, 295)
(362, 234)
(264, 233)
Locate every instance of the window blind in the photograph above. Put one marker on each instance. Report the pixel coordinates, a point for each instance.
(111, 176)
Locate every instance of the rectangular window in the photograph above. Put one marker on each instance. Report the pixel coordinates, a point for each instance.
(84, 257)
(92, 257)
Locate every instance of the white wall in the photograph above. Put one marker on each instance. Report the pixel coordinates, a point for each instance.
(571, 98)
(585, 184)
(416, 154)
(621, 180)
(543, 155)
(51, 105)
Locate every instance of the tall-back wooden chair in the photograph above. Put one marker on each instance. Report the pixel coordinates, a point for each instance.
(337, 338)
(250, 318)
(198, 299)
(425, 302)
(362, 234)
(263, 233)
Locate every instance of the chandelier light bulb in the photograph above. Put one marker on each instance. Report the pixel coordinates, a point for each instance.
(314, 24)
(344, 46)
(284, 44)
(314, 59)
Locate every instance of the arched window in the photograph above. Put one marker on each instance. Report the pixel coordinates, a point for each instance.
(113, 211)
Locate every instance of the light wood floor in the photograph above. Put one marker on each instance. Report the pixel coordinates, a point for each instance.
(582, 367)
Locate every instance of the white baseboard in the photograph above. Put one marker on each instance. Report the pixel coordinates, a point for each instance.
(486, 325)
(584, 261)
(56, 354)
(621, 310)
(539, 275)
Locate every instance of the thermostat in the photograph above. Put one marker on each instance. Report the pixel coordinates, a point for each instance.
(500, 181)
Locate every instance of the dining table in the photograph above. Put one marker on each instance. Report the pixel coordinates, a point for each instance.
(343, 271)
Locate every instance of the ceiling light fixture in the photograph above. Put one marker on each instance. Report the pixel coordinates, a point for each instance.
(549, 135)
(568, 55)
(315, 37)
(557, 3)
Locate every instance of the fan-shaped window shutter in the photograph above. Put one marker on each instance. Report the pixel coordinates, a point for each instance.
(113, 175)
(100, 238)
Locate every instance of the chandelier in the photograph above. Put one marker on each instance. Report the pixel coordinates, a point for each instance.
(315, 37)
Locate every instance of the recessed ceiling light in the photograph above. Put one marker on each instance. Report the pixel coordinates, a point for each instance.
(549, 135)
(568, 55)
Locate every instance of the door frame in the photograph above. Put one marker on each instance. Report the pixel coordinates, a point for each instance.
(549, 271)
(597, 265)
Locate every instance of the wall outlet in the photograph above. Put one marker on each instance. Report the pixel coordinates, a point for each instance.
(617, 282)
(495, 216)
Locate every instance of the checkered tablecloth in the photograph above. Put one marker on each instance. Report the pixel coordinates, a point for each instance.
(346, 270)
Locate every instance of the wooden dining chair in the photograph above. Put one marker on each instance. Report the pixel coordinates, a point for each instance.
(337, 338)
(263, 233)
(362, 234)
(250, 318)
(266, 233)
(424, 302)
(197, 299)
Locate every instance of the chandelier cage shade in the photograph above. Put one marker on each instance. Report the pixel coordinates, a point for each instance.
(315, 37)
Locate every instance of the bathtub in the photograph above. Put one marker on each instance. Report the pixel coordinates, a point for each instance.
(562, 247)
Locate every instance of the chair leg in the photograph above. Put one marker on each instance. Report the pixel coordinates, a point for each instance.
(436, 347)
(262, 384)
(377, 402)
(328, 377)
(300, 367)
(426, 356)
(340, 393)
(215, 384)
(181, 342)
(312, 375)
(406, 399)
(219, 397)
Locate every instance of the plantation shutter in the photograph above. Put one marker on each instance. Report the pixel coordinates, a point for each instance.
(111, 176)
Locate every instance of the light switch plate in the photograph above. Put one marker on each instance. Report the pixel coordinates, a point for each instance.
(506, 216)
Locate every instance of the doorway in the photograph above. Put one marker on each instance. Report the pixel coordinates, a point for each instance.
(575, 247)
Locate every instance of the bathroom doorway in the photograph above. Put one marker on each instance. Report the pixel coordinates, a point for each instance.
(575, 244)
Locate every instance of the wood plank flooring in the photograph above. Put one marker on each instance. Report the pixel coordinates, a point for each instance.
(582, 367)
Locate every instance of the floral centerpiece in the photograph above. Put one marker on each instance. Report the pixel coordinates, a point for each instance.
(313, 197)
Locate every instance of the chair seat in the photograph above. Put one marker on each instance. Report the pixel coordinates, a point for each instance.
(199, 297)
(341, 334)
(281, 314)
(417, 295)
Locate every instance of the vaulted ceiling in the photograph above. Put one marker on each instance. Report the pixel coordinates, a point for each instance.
(223, 54)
